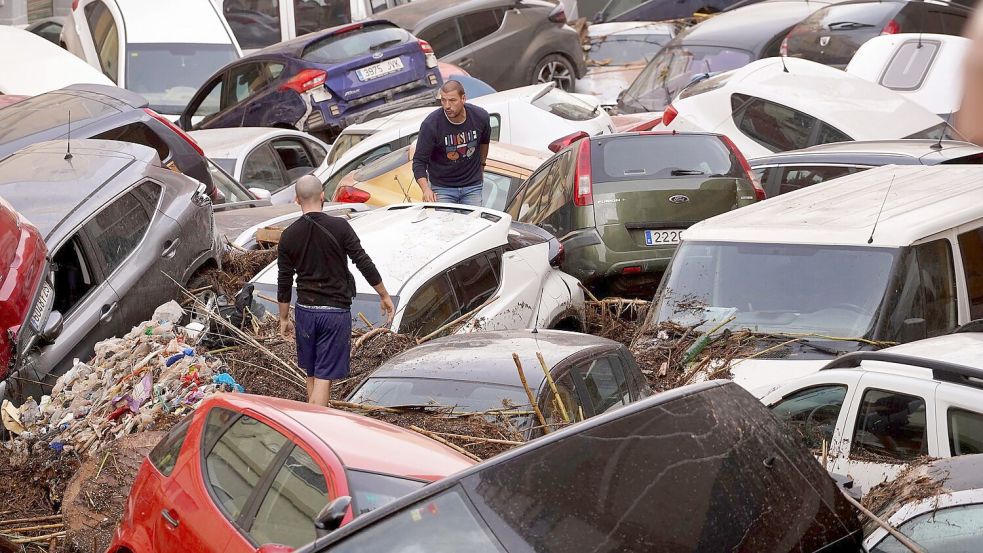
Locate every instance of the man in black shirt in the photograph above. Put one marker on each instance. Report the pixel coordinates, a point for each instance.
(451, 149)
(316, 248)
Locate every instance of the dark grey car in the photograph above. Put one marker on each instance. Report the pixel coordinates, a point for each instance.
(505, 43)
(115, 222)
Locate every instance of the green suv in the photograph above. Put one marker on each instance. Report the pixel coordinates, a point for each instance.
(619, 202)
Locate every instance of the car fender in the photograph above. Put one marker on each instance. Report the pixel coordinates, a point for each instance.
(518, 294)
(562, 298)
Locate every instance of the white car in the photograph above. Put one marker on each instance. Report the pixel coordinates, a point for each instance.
(878, 411)
(25, 52)
(765, 109)
(265, 160)
(441, 262)
(163, 51)
(617, 53)
(925, 68)
(530, 116)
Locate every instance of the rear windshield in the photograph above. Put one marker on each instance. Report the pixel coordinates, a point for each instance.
(673, 68)
(910, 64)
(49, 111)
(462, 396)
(566, 105)
(624, 49)
(354, 43)
(383, 165)
(847, 17)
(624, 158)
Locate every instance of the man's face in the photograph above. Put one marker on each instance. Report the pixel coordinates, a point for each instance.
(452, 103)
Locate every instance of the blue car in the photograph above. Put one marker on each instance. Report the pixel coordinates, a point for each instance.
(321, 82)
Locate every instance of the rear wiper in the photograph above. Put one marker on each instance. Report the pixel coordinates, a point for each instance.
(847, 25)
(385, 44)
(684, 172)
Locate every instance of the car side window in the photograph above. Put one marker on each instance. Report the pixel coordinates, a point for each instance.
(296, 160)
(118, 229)
(965, 432)
(526, 210)
(604, 380)
(298, 493)
(230, 190)
(256, 24)
(164, 455)
(262, 170)
(955, 528)
(890, 424)
(953, 22)
(937, 290)
(211, 101)
(495, 191)
(476, 279)
(431, 307)
(361, 161)
(774, 126)
(495, 122)
(74, 274)
(105, 37)
(444, 37)
(572, 409)
(377, 5)
(971, 251)
(239, 458)
(799, 176)
(244, 81)
(477, 25)
(828, 135)
(810, 414)
(558, 190)
(317, 152)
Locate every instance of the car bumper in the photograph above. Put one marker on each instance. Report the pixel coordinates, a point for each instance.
(589, 259)
(332, 115)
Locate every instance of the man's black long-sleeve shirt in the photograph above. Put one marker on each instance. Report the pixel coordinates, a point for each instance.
(320, 263)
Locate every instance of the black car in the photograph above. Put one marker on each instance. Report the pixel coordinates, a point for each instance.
(703, 468)
(103, 112)
(833, 34)
(789, 171)
(723, 42)
(657, 10)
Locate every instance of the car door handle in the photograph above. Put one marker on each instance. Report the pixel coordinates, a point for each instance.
(466, 62)
(169, 518)
(170, 247)
(108, 311)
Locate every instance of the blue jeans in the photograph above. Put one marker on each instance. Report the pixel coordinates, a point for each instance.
(465, 195)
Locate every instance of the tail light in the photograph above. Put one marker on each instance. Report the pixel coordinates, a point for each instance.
(892, 28)
(632, 270)
(428, 53)
(305, 80)
(584, 193)
(347, 28)
(669, 114)
(563, 142)
(558, 15)
(176, 129)
(759, 192)
(351, 195)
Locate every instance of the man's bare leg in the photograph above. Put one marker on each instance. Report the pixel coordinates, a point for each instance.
(321, 392)
(310, 388)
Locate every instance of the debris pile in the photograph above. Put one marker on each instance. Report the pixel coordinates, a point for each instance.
(616, 319)
(238, 267)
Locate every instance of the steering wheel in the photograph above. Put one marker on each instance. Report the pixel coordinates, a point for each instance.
(810, 421)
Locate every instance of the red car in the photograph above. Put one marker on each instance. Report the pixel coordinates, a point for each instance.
(244, 471)
(22, 252)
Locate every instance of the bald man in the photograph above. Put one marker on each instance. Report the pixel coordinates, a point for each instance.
(451, 149)
(316, 248)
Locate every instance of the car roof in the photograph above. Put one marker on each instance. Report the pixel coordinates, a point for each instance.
(237, 141)
(176, 21)
(908, 203)
(961, 348)
(749, 27)
(361, 442)
(632, 28)
(26, 51)
(47, 187)
(875, 152)
(487, 356)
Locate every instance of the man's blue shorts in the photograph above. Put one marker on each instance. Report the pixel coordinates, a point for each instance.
(323, 341)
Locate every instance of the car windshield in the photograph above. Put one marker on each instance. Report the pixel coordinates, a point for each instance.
(343, 143)
(675, 67)
(777, 288)
(371, 490)
(168, 75)
(463, 396)
(355, 43)
(622, 49)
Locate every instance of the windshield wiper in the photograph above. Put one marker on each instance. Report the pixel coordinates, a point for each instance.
(684, 172)
(800, 339)
(847, 25)
(385, 44)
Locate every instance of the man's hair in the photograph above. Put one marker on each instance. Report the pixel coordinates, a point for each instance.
(452, 86)
(308, 188)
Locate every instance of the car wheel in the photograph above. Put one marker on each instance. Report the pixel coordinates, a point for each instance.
(557, 69)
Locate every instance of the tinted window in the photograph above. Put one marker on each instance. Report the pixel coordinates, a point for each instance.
(637, 157)
(211, 102)
(495, 122)
(557, 189)
(950, 530)
(383, 165)
(244, 81)
(73, 274)
(827, 135)
(296, 159)
(462, 396)
(443, 37)
(355, 43)
(255, 23)
(240, 457)
(314, 15)
(526, 208)
(360, 161)
(476, 26)
(344, 143)
(565, 105)
(105, 38)
(852, 16)
(910, 64)
(774, 126)
(604, 381)
(952, 22)
(796, 177)
(622, 49)
(118, 229)
(811, 414)
(297, 495)
(138, 133)
(372, 490)
(971, 250)
(432, 306)
(928, 289)
(965, 432)
(890, 424)
(262, 170)
(168, 75)
(475, 281)
(164, 454)
(317, 151)
(564, 407)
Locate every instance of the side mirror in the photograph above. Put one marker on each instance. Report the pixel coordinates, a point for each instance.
(52, 327)
(261, 193)
(913, 330)
(332, 514)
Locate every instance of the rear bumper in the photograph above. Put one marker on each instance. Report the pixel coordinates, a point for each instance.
(589, 259)
(336, 115)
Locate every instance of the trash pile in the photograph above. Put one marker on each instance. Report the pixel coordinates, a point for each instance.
(616, 319)
(238, 267)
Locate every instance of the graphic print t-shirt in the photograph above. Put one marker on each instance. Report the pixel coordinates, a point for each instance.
(449, 154)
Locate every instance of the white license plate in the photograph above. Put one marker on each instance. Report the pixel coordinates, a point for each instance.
(380, 69)
(41, 307)
(320, 94)
(662, 237)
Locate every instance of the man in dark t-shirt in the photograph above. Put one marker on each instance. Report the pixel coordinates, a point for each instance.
(451, 149)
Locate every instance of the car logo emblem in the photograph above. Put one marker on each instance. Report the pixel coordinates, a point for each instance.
(678, 199)
(378, 55)
(823, 40)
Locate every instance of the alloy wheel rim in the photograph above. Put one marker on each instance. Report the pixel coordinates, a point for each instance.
(556, 72)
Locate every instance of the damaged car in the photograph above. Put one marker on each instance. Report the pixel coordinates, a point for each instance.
(321, 82)
(447, 264)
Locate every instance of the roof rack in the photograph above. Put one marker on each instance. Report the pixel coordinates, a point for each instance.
(941, 370)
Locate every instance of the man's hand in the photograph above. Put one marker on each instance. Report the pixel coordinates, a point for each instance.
(386, 303)
(428, 194)
(286, 329)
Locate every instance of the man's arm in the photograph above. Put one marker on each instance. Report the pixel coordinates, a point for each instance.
(421, 160)
(353, 248)
(484, 154)
(284, 289)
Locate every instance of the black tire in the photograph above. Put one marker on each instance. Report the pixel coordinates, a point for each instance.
(556, 68)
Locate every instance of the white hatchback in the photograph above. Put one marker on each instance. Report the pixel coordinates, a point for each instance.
(444, 263)
(25, 52)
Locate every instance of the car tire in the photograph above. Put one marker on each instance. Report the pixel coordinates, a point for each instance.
(556, 68)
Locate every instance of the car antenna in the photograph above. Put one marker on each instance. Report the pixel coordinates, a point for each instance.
(870, 240)
(938, 145)
(68, 154)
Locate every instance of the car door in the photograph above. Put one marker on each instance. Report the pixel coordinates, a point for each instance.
(558, 208)
(486, 54)
(818, 412)
(205, 105)
(243, 91)
(525, 206)
(102, 40)
(262, 168)
(958, 420)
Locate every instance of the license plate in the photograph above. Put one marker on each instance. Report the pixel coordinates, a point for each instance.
(41, 307)
(380, 69)
(662, 237)
(320, 94)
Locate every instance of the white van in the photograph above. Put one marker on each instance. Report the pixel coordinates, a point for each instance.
(889, 255)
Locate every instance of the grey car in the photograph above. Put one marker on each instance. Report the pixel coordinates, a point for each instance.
(505, 43)
(116, 224)
(476, 373)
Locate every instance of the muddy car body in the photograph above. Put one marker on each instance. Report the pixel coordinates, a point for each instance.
(22, 266)
(694, 469)
(617, 53)
(116, 224)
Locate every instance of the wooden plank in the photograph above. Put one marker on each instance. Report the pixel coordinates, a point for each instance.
(269, 235)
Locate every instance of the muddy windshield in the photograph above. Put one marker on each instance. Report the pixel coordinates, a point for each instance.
(462, 396)
(777, 288)
(673, 68)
